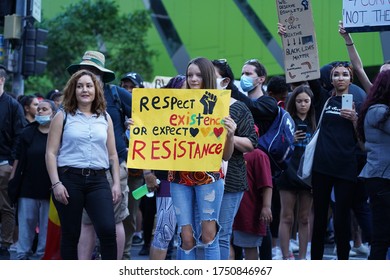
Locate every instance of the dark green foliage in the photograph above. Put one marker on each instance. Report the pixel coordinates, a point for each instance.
(96, 25)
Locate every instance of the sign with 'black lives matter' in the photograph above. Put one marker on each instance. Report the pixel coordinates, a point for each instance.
(299, 42)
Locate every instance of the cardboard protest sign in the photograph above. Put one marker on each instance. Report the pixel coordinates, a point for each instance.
(178, 129)
(160, 81)
(299, 42)
(366, 15)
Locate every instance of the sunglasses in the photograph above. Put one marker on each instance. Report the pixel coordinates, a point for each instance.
(253, 60)
(222, 61)
(341, 63)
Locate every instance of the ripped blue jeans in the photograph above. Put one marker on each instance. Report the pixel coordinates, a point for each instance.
(192, 206)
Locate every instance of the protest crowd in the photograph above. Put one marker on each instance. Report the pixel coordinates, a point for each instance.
(66, 185)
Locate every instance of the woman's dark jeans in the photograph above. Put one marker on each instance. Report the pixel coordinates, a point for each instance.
(94, 194)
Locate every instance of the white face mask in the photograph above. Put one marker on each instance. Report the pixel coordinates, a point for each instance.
(43, 119)
(219, 83)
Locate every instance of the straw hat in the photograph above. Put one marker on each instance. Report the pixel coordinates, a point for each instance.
(94, 59)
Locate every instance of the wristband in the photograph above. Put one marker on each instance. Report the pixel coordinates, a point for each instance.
(55, 185)
(348, 45)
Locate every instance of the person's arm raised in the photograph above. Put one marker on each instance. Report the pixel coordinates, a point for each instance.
(355, 58)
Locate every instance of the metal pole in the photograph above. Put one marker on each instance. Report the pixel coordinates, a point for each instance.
(17, 81)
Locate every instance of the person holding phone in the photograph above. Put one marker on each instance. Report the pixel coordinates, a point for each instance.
(335, 166)
(291, 188)
(346, 101)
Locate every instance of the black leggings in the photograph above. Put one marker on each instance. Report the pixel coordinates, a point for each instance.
(94, 194)
(148, 209)
(344, 194)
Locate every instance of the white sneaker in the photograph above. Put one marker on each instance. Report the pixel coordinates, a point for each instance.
(277, 253)
(351, 253)
(294, 246)
(361, 250)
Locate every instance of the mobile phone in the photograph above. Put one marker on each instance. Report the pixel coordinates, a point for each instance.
(302, 127)
(346, 101)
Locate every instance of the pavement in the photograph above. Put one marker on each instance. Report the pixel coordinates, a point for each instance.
(329, 254)
(134, 254)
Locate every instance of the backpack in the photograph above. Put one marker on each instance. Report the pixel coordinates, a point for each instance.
(117, 101)
(278, 141)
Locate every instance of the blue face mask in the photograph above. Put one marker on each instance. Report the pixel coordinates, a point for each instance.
(246, 83)
(43, 119)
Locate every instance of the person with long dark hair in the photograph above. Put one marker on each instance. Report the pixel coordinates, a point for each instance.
(374, 130)
(294, 192)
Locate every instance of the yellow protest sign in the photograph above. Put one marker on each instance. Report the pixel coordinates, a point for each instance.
(178, 129)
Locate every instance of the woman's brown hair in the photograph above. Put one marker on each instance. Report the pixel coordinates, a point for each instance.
(70, 101)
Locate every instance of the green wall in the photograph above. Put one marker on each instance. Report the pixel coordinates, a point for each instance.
(217, 29)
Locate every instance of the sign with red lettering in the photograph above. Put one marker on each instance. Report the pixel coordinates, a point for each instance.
(299, 42)
(366, 15)
(178, 129)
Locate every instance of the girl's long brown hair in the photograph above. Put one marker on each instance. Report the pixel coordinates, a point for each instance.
(207, 71)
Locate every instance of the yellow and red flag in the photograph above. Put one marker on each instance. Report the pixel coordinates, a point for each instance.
(53, 238)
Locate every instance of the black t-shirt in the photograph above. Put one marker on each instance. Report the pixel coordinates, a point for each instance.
(264, 109)
(289, 179)
(336, 148)
(36, 182)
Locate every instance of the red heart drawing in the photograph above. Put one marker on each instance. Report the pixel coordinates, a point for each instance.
(218, 131)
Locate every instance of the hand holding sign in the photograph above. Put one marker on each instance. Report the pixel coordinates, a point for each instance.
(281, 29)
(230, 126)
(342, 30)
